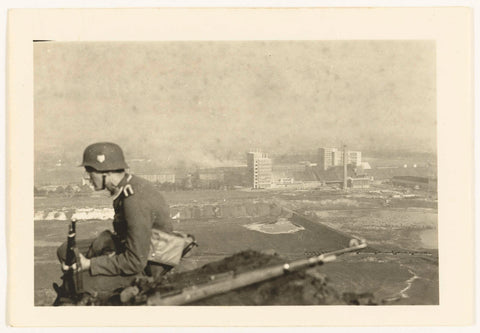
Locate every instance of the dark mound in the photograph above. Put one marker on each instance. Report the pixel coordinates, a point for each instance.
(304, 287)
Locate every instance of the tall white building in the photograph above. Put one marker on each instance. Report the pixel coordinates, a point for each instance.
(328, 157)
(354, 157)
(259, 169)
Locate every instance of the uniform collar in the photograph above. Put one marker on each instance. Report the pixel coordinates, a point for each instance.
(122, 183)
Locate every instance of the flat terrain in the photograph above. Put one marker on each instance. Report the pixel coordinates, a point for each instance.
(399, 267)
(102, 199)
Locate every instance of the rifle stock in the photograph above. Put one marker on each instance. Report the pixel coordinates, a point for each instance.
(195, 293)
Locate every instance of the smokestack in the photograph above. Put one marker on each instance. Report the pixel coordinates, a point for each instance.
(344, 167)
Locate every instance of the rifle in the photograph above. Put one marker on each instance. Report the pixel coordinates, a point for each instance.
(195, 293)
(70, 258)
(72, 283)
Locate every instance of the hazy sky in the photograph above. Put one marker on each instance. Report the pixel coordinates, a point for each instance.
(208, 101)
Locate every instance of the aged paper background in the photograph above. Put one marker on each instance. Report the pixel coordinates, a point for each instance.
(451, 28)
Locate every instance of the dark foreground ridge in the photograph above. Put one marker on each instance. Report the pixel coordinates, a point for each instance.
(305, 287)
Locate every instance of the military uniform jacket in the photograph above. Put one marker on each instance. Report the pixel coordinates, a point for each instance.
(138, 208)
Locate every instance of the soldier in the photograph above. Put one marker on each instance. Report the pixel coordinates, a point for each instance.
(140, 213)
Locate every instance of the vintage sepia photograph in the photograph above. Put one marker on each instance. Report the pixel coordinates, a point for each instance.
(235, 173)
(240, 167)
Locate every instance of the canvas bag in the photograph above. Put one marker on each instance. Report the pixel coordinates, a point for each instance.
(166, 248)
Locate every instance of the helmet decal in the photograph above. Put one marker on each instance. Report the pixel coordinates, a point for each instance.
(101, 158)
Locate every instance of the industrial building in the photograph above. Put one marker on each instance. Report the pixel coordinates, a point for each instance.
(330, 157)
(208, 178)
(424, 183)
(160, 178)
(259, 167)
(211, 174)
(359, 182)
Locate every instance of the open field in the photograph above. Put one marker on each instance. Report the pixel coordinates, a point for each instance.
(399, 267)
(102, 199)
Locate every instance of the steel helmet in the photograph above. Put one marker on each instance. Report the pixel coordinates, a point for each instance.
(104, 156)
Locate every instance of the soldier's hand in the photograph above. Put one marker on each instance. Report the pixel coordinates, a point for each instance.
(84, 263)
(66, 268)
